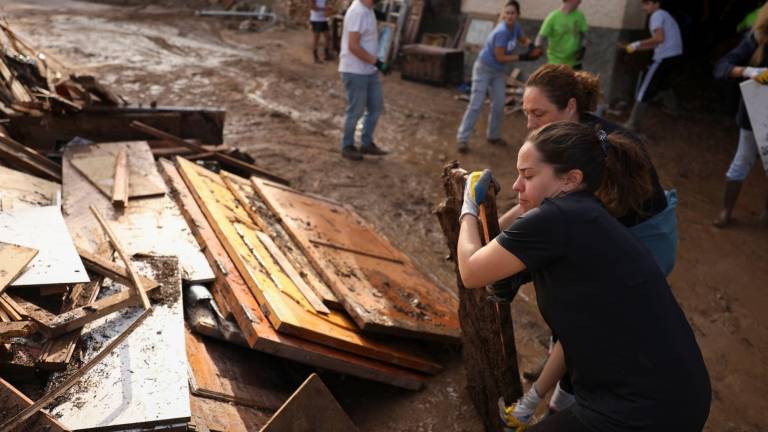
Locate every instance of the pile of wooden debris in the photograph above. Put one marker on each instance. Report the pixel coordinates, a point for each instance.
(162, 281)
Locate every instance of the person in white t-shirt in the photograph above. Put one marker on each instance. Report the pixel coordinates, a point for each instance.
(318, 19)
(667, 45)
(359, 67)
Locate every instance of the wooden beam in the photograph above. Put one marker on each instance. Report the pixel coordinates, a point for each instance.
(12, 401)
(136, 285)
(120, 185)
(111, 270)
(19, 418)
(16, 329)
(9, 310)
(221, 157)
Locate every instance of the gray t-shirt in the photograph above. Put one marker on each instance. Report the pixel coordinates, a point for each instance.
(361, 19)
(673, 42)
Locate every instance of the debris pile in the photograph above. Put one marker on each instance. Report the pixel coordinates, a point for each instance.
(151, 277)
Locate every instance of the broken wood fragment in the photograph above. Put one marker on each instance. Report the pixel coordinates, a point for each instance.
(120, 182)
(13, 261)
(16, 329)
(224, 159)
(19, 418)
(112, 270)
(13, 401)
(135, 285)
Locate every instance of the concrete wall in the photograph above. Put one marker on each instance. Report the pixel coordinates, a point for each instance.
(612, 14)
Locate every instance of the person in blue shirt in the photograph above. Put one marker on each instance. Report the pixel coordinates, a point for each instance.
(489, 75)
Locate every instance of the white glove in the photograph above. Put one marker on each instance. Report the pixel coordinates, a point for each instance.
(474, 192)
(752, 72)
(518, 416)
(634, 46)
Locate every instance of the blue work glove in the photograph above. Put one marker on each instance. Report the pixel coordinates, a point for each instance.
(474, 192)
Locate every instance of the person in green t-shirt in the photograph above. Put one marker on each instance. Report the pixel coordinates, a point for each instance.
(565, 30)
(749, 20)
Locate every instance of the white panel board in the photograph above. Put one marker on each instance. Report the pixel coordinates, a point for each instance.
(756, 99)
(43, 228)
(144, 381)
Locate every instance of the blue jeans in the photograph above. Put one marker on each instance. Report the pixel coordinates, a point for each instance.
(484, 80)
(744, 158)
(364, 95)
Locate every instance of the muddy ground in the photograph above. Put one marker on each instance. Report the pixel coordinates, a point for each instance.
(287, 112)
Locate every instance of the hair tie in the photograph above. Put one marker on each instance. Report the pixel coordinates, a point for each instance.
(603, 137)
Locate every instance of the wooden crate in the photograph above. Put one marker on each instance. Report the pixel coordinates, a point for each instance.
(432, 64)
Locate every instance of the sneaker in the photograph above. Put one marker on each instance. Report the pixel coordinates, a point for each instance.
(373, 149)
(497, 141)
(463, 147)
(351, 153)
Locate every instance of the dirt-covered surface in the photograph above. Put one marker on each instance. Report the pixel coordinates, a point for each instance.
(287, 112)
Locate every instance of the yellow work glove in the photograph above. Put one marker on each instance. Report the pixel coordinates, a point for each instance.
(474, 192)
(758, 74)
(762, 78)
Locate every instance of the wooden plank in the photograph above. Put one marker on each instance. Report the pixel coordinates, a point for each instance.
(120, 187)
(24, 190)
(216, 416)
(23, 161)
(112, 270)
(9, 310)
(259, 333)
(19, 310)
(311, 408)
(13, 262)
(57, 352)
(43, 228)
(240, 194)
(13, 401)
(16, 329)
(380, 287)
(145, 382)
(149, 225)
(229, 373)
(135, 284)
(48, 132)
(97, 163)
(56, 325)
(287, 309)
(224, 159)
(21, 417)
(263, 217)
(28, 152)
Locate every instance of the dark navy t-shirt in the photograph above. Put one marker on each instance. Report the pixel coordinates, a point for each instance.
(631, 354)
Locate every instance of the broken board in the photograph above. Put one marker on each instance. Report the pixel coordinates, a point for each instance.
(260, 335)
(43, 228)
(311, 408)
(13, 260)
(148, 225)
(284, 305)
(97, 163)
(144, 381)
(216, 416)
(13, 401)
(756, 100)
(380, 287)
(230, 373)
(21, 190)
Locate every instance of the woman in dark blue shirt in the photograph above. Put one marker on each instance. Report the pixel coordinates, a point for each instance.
(631, 354)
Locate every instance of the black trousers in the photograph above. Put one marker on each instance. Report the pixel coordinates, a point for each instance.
(564, 421)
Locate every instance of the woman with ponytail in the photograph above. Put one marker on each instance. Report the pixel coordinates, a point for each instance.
(631, 354)
(749, 60)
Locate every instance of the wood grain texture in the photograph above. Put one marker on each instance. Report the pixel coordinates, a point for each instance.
(97, 163)
(226, 372)
(285, 306)
(217, 416)
(257, 330)
(22, 190)
(13, 262)
(13, 401)
(311, 408)
(121, 179)
(270, 224)
(380, 287)
(43, 228)
(149, 225)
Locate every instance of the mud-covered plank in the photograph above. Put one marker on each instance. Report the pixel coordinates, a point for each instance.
(309, 326)
(380, 287)
(19, 190)
(13, 401)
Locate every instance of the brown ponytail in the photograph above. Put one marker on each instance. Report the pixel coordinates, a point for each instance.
(560, 84)
(760, 31)
(614, 168)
